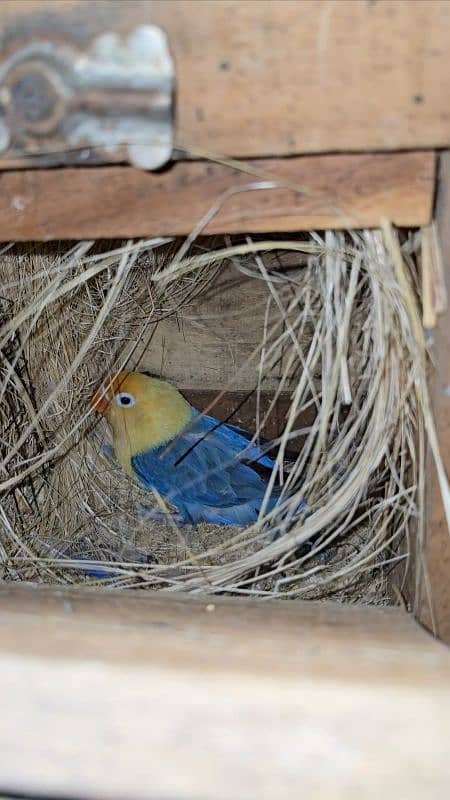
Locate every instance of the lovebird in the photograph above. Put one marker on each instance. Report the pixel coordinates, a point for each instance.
(209, 470)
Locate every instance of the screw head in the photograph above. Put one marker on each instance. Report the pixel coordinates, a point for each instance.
(36, 98)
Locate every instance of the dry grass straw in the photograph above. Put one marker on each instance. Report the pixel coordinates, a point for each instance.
(342, 319)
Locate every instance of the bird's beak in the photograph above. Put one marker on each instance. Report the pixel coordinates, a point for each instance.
(101, 400)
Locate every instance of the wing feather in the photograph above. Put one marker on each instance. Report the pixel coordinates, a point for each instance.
(207, 473)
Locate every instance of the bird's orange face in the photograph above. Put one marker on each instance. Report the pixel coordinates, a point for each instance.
(120, 388)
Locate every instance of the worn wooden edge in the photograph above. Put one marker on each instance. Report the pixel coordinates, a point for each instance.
(346, 191)
(434, 565)
(129, 695)
(264, 79)
(272, 637)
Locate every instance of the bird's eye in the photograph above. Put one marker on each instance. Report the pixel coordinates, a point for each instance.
(125, 400)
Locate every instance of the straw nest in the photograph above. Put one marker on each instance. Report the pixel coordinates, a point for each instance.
(341, 319)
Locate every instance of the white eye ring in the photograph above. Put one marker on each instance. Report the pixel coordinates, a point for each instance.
(125, 400)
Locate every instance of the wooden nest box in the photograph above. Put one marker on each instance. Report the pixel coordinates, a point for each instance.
(128, 120)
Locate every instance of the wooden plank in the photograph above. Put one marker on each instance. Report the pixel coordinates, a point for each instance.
(333, 192)
(437, 554)
(261, 79)
(125, 695)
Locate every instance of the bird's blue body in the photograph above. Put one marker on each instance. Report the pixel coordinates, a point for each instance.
(210, 472)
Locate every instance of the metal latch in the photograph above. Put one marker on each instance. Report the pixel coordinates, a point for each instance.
(114, 103)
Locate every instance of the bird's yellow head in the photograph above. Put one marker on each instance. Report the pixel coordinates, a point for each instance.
(143, 412)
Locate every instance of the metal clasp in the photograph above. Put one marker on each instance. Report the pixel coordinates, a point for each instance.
(111, 104)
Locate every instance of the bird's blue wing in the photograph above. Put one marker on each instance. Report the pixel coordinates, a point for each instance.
(205, 472)
(251, 451)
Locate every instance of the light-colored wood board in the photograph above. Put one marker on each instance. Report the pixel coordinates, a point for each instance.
(333, 192)
(124, 695)
(263, 78)
(437, 551)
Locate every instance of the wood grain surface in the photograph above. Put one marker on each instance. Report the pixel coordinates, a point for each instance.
(284, 78)
(125, 695)
(109, 202)
(437, 534)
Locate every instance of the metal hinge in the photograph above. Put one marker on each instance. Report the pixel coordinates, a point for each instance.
(112, 103)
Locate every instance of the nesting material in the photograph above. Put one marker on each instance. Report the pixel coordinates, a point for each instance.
(339, 335)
